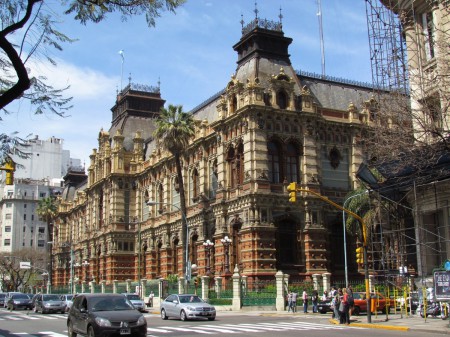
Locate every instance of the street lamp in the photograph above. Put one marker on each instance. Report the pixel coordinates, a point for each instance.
(226, 241)
(187, 267)
(208, 245)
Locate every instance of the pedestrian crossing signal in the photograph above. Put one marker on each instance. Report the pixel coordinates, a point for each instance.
(292, 189)
(360, 255)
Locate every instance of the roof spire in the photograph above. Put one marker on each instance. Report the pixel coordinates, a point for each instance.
(280, 16)
(242, 21)
(256, 11)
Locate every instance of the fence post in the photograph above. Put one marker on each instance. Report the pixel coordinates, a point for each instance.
(103, 285)
(205, 287)
(83, 286)
(371, 278)
(143, 287)
(326, 277)
(92, 287)
(115, 286)
(218, 285)
(315, 278)
(280, 293)
(181, 285)
(236, 303)
(128, 285)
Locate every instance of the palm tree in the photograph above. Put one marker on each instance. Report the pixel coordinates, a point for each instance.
(47, 210)
(174, 129)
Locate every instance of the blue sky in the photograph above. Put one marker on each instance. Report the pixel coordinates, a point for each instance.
(190, 53)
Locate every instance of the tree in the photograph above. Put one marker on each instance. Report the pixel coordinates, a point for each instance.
(174, 130)
(12, 277)
(28, 32)
(47, 210)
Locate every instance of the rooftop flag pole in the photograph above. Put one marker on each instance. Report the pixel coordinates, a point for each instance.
(322, 47)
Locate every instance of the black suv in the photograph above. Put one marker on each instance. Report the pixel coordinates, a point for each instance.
(105, 315)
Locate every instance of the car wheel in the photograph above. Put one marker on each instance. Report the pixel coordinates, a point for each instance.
(70, 331)
(211, 318)
(91, 332)
(163, 314)
(183, 316)
(356, 311)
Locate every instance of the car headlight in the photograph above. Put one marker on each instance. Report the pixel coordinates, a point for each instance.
(141, 321)
(190, 308)
(102, 321)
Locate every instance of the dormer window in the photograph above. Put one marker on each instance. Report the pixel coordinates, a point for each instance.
(282, 99)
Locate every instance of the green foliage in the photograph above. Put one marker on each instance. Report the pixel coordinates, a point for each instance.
(172, 278)
(220, 301)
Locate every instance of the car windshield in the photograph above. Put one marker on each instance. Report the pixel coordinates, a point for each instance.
(69, 297)
(50, 298)
(133, 297)
(190, 299)
(20, 297)
(110, 304)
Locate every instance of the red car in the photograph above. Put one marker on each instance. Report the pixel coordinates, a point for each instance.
(381, 303)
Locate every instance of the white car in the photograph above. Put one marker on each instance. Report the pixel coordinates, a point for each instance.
(187, 306)
(136, 301)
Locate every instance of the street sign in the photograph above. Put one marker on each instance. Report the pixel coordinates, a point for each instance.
(25, 265)
(442, 285)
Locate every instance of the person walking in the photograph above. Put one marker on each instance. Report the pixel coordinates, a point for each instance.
(335, 301)
(294, 301)
(289, 300)
(305, 301)
(343, 308)
(315, 300)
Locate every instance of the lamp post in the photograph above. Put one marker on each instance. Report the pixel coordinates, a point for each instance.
(208, 245)
(226, 241)
(187, 274)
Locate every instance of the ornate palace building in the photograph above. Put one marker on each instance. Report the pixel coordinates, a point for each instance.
(270, 126)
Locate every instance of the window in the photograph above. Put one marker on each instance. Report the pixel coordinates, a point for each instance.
(8, 216)
(235, 160)
(274, 162)
(429, 34)
(7, 229)
(281, 99)
(175, 193)
(32, 217)
(8, 205)
(283, 162)
(42, 195)
(7, 242)
(24, 229)
(25, 217)
(195, 185)
(41, 243)
(41, 230)
(213, 181)
(292, 163)
(24, 205)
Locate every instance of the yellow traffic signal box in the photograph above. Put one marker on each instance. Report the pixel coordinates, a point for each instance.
(292, 189)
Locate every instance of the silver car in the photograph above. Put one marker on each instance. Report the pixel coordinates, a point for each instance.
(187, 306)
(47, 303)
(136, 301)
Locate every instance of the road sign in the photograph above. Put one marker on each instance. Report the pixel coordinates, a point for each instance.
(25, 265)
(442, 285)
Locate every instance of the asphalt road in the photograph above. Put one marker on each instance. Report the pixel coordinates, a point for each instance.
(19, 323)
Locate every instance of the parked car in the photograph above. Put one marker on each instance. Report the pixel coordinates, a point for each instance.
(18, 301)
(136, 301)
(47, 303)
(68, 300)
(2, 299)
(382, 304)
(8, 296)
(105, 315)
(186, 306)
(324, 306)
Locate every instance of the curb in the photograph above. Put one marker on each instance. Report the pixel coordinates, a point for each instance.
(374, 326)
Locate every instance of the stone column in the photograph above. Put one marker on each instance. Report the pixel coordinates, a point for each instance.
(115, 286)
(92, 286)
(371, 278)
(143, 288)
(83, 286)
(236, 303)
(280, 302)
(181, 285)
(218, 285)
(326, 279)
(205, 287)
(244, 283)
(103, 285)
(315, 278)
(128, 285)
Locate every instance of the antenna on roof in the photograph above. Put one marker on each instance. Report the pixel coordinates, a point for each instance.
(322, 47)
(256, 11)
(281, 18)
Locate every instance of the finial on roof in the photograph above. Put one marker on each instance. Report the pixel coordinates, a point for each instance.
(242, 21)
(281, 17)
(129, 78)
(256, 11)
(159, 82)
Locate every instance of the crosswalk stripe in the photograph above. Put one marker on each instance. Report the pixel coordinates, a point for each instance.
(52, 334)
(14, 318)
(238, 327)
(187, 329)
(217, 328)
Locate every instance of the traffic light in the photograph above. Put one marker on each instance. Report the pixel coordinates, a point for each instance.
(360, 255)
(9, 168)
(292, 189)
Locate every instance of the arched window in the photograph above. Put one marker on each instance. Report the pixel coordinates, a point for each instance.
(281, 99)
(213, 180)
(292, 163)
(160, 199)
(233, 106)
(194, 186)
(175, 194)
(274, 154)
(235, 160)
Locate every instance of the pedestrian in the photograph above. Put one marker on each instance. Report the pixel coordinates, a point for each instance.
(315, 300)
(343, 308)
(335, 301)
(150, 299)
(305, 301)
(351, 302)
(294, 301)
(325, 295)
(289, 300)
